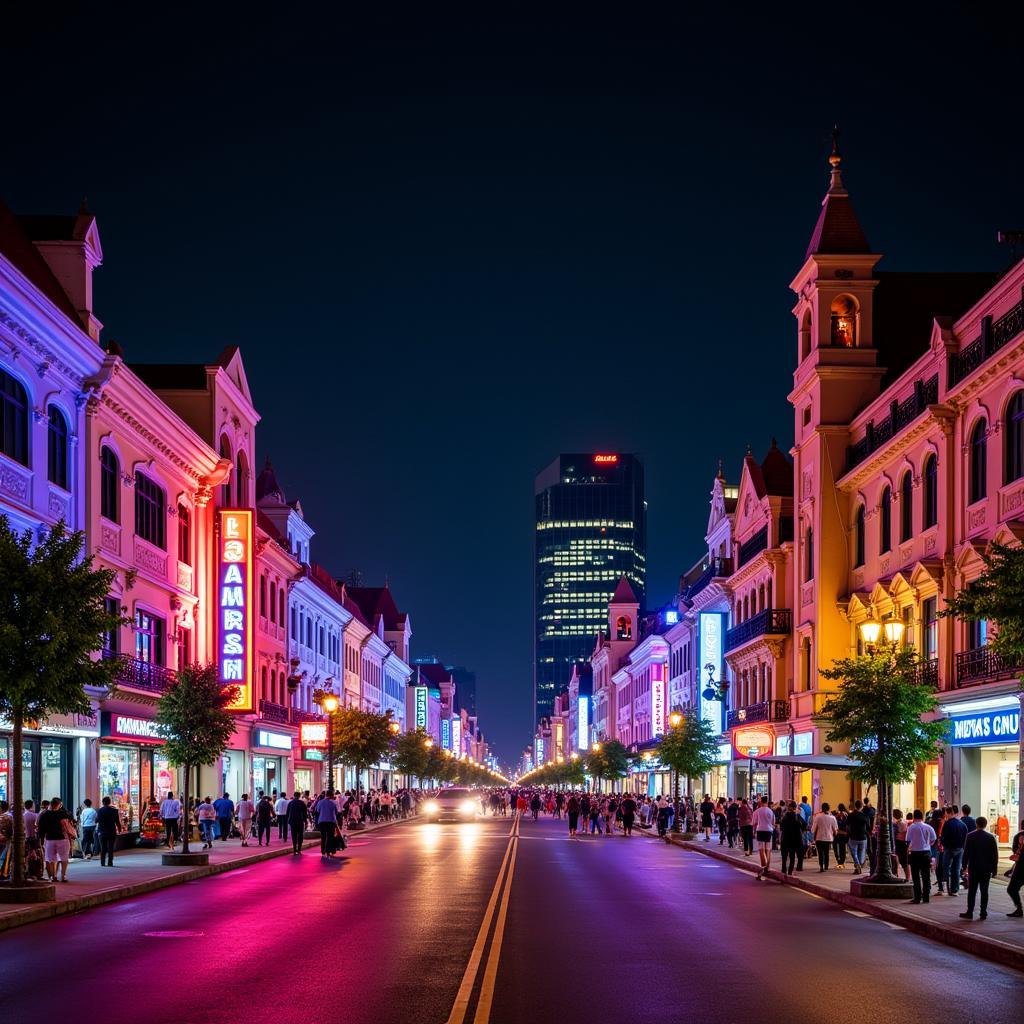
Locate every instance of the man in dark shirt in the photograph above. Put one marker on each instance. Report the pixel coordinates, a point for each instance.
(981, 861)
(857, 828)
(953, 836)
(108, 824)
(297, 814)
(965, 817)
(791, 828)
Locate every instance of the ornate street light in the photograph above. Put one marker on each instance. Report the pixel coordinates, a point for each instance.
(328, 702)
(675, 720)
(869, 632)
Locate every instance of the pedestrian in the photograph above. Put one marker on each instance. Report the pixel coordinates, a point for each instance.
(841, 836)
(732, 827)
(108, 824)
(225, 808)
(920, 838)
(628, 814)
(791, 829)
(663, 811)
(281, 810)
(245, 811)
(1017, 874)
(745, 818)
(981, 861)
(707, 811)
(953, 836)
(57, 830)
(721, 821)
(857, 836)
(899, 841)
(327, 823)
(824, 828)
(87, 825)
(572, 810)
(264, 819)
(170, 815)
(764, 828)
(535, 805)
(296, 814)
(206, 813)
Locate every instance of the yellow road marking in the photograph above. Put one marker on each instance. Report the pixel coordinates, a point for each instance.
(483, 1007)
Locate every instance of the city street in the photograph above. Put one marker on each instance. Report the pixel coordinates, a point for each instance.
(626, 930)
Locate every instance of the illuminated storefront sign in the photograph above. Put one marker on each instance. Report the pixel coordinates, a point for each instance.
(754, 742)
(446, 734)
(273, 740)
(312, 754)
(559, 740)
(457, 734)
(583, 729)
(712, 629)
(657, 698)
(538, 748)
(234, 597)
(61, 725)
(421, 707)
(724, 753)
(982, 727)
(313, 734)
(782, 745)
(606, 460)
(803, 743)
(128, 727)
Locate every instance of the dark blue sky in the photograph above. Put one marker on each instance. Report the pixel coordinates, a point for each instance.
(453, 246)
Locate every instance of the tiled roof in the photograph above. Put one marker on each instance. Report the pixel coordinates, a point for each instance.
(624, 593)
(377, 602)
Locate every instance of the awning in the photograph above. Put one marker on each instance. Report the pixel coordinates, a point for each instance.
(822, 762)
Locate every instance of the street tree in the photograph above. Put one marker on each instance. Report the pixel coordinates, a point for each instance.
(879, 709)
(194, 719)
(52, 624)
(361, 738)
(690, 749)
(609, 761)
(410, 753)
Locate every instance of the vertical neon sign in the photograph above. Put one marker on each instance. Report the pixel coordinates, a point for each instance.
(712, 628)
(658, 699)
(583, 723)
(446, 734)
(457, 735)
(234, 603)
(421, 707)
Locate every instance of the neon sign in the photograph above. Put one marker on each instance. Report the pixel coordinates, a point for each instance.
(313, 735)
(712, 628)
(658, 699)
(753, 742)
(446, 734)
(605, 460)
(583, 723)
(457, 735)
(421, 707)
(234, 604)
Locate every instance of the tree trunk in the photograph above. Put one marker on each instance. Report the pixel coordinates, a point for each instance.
(185, 814)
(18, 802)
(883, 864)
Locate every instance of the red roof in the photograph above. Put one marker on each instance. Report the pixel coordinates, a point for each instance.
(624, 593)
(377, 603)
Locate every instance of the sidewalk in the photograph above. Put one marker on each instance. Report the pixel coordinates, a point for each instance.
(139, 871)
(999, 938)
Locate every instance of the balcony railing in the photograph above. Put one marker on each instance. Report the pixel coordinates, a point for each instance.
(752, 546)
(273, 712)
(765, 711)
(770, 622)
(141, 675)
(718, 567)
(296, 716)
(927, 673)
(981, 665)
(993, 337)
(926, 392)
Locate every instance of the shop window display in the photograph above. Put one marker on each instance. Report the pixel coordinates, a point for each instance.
(120, 774)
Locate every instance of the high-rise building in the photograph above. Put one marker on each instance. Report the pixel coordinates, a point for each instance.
(591, 530)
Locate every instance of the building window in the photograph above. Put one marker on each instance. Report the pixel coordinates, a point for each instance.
(908, 627)
(57, 448)
(184, 647)
(242, 480)
(280, 607)
(978, 634)
(13, 419)
(930, 509)
(859, 538)
(623, 628)
(844, 322)
(112, 638)
(149, 511)
(979, 461)
(885, 522)
(295, 635)
(149, 638)
(906, 506)
(273, 602)
(110, 478)
(1015, 438)
(263, 597)
(184, 536)
(225, 453)
(929, 629)
(809, 555)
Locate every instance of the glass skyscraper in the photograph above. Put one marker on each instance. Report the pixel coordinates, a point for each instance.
(591, 530)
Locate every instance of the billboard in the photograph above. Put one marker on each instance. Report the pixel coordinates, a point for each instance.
(457, 735)
(234, 604)
(657, 698)
(712, 651)
(583, 727)
(421, 707)
(313, 735)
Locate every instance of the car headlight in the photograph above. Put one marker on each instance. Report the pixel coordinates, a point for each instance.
(431, 807)
(467, 807)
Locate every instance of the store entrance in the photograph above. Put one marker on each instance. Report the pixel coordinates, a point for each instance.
(45, 769)
(267, 775)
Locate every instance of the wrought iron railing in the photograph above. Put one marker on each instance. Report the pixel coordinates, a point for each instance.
(900, 415)
(752, 546)
(765, 711)
(982, 664)
(993, 337)
(769, 622)
(141, 675)
(927, 673)
(717, 567)
(297, 716)
(273, 712)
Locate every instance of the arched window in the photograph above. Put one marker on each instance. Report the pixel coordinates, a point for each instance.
(263, 597)
(623, 628)
(13, 419)
(768, 595)
(280, 607)
(57, 448)
(110, 479)
(930, 508)
(242, 480)
(805, 336)
(1015, 438)
(225, 453)
(858, 557)
(760, 597)
(885, 522)
(184, 536)
(809, 555)
(746, 607)
(906, 506)
(979, 461)
(150, 511)
(263, 684)
(844, 322)
(273, 602)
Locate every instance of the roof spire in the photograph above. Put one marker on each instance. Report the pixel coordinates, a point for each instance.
(721, 471)
(835, 159)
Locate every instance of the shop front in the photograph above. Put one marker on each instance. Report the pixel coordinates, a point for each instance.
(271, 761)
(981, 767)
(134, 771)
(752, 778)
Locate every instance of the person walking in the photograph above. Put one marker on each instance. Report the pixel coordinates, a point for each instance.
(764, 828)
(857, 836)
(839, 845)
(628, 806)
(535, 805)
(327, 823)
(57, 829)
(264, 819)
(1017, 874)
(920, 838)
(791, 829)
(245, 811)
(225, 808)
(745, 819)
(824, 826)
(206, 814)
(87, 825)
(281, 810)
(981, 862)
(899, 841)
(707, 812)
(108, 824)
(572, 811)
(170, 815)
(732, 827)
(721, 821)
(296, 814)
(953, 836)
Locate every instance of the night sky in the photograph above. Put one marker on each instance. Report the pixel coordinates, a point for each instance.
(451, 247)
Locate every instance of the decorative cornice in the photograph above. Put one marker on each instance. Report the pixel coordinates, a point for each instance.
(937, 416)
(140, 428)
(47, 357)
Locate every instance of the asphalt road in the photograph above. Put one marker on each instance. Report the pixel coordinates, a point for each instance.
(471, 924)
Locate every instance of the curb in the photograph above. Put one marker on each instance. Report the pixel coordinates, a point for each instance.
(45, 911)
(980, 945)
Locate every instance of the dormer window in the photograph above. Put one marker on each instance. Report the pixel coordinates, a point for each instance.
(844, 322)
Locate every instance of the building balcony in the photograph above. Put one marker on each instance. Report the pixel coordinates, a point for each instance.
(983, 665)
(993, 337)
(296, 716)
(141, 675)
(272, 712)
(927, 673)
(901, 414)
(765, 711)
(770, 622)
(718, 567)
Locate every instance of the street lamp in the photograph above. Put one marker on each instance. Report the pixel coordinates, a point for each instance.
(675, 720)
(328, 702)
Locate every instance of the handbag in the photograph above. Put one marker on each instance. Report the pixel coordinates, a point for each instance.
(69, 829)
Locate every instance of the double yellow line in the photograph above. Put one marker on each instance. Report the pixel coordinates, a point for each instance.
(499, 902)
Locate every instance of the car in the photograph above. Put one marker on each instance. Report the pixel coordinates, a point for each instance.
(451, 805)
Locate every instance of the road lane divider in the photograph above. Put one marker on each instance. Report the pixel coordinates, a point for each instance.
(499, 893)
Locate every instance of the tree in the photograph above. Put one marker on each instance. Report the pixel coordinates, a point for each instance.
(690, 749)
(52, 623)
(194, 720)
(410, 753)
(575, 772)
(361, 738)
(609, 761)
(879, 710)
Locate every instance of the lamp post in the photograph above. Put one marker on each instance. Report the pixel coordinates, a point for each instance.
(715, 691)
(328, 703)
(675, 720)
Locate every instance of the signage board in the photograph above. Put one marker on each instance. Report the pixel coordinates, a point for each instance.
(313, 735)
(782, 745)
(657, 698)
(235, 604)
(803, 743)
(420, 694)
(605, 460)
(711, 633)
(457, 735)
(129, 727)
(273, 740)
(446, 734)
(61, 725)
(312, 754)
(724, 753)
(981, 728)
(538, 750)
(753, 742)
(583, 728)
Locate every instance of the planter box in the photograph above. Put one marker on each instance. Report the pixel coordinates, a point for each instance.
(185, 860)
(39, 892)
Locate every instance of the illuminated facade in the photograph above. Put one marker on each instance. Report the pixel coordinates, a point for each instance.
(591, 530)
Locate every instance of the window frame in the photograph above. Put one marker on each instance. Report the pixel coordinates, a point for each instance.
(978, 462)
(110, 485)
(58, 447)
(885, 521)
(906, 506)
(150, 511)
(15, 425)
(930, 497)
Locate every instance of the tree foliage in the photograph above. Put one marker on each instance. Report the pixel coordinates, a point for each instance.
(52, 623)
(610, 761)
(690, 748)
(361, 738)
(410, 755)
